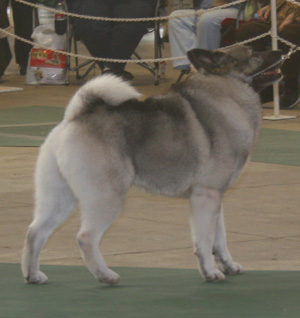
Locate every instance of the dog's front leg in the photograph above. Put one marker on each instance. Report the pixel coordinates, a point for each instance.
(222, 255)
(205, 211)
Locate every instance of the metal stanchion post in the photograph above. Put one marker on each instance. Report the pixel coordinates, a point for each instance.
(276, 115)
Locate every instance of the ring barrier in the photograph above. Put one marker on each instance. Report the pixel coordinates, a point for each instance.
(272, 33)
(274, 36)
(163, 18)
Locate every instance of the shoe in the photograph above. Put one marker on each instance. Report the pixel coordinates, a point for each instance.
(182, 73)
(126, 76)
(23, 69)
(165, 39)
(289, 99)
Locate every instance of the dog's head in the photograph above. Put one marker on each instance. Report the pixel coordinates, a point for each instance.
(259, 69)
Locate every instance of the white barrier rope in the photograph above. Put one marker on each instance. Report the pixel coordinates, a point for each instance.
(136, 61)
(88, 57)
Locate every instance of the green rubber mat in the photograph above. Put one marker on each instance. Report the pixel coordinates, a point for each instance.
(278, 146)
(149, 293)
(28, 126)
(30, 115)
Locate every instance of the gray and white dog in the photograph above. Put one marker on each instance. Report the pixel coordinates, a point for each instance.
(192, 141)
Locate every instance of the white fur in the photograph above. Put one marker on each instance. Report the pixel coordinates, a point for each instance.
(112, 89)
(208, 229)
(74, 167)
(60, 184)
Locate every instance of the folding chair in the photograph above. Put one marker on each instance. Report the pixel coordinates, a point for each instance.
(158, 46)
(228, 28)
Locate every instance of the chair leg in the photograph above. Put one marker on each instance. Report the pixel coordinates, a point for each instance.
(143, 64)
(79, 66)
(157, 52)
(182, 73)
(76, 58)
(155, 70)
(69, 46)
(158, 44)
(86, 73)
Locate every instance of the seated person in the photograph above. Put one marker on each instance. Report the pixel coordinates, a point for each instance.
(5, 53)
(201, 30)
(23, 27)
(113, 40)
(288, 19)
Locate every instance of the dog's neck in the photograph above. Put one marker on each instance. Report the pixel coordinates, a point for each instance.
(245, 79)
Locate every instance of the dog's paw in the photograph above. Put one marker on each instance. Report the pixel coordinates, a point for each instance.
(109, 277)
(215, 276)
(230, 268)
(39, 278)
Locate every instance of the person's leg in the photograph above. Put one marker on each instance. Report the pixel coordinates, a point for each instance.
(4, 22)
(252, 29)
(94, 34)
(23, 23)
(125, 36)
(291, 67)
(5, 53)
(209, 26)
(182, 33)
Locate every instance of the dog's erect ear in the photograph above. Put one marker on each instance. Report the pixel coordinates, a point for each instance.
(210, 61)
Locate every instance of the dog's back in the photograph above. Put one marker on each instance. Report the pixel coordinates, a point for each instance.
(172, 140)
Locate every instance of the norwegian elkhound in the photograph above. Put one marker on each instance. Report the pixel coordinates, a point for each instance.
(192, 141)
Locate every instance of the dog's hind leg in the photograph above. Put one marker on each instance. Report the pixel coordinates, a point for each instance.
(98, 209)
(54, 202)
(205, 210)
(222, 255)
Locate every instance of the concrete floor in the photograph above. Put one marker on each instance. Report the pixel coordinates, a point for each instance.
(261, 210)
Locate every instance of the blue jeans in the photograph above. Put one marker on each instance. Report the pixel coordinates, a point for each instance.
(196, 31)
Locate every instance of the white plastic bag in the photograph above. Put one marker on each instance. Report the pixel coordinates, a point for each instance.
(44, 65)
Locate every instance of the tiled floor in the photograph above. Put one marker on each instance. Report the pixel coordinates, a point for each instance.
(261, 211)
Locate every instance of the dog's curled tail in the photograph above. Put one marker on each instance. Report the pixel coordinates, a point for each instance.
(107, 90)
